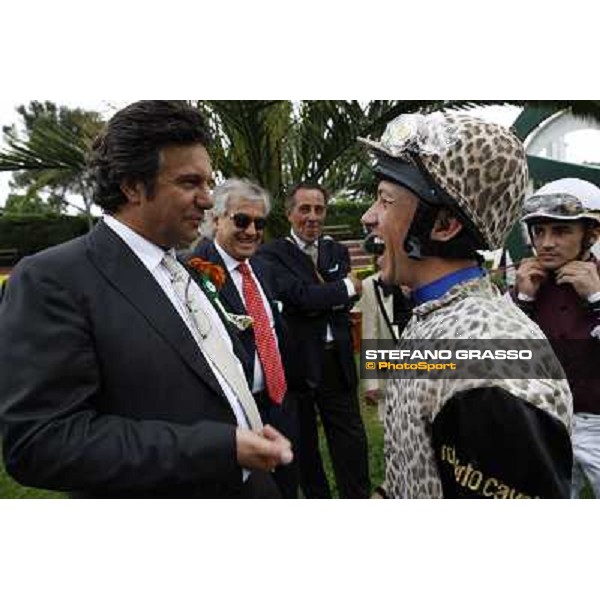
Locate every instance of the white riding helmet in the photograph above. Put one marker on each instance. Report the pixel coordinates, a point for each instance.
(568, 199)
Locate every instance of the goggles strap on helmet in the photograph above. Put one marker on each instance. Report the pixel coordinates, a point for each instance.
(418, 238)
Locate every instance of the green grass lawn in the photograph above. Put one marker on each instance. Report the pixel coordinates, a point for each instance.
(9, 488)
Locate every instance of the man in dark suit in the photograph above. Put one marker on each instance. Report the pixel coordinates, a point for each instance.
(313, 278)
(240, 212)
(119, 376)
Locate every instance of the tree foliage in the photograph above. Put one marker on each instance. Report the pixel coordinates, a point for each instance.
(278, 143)
(49, 156)
(273, 142)
(31, 204)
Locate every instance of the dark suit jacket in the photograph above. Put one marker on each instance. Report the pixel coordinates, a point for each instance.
(310, 304)
(104, 391)
(232, 301)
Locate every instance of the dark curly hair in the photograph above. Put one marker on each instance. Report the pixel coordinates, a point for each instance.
(129, 148)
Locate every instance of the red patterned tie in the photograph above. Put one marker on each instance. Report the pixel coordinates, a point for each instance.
(268, 353)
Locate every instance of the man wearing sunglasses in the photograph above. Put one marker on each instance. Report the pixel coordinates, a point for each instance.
(239, 219)
(559, 288)
(312, 274)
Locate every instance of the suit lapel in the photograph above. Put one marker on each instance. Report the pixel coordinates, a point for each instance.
(238, 347)
(231, 297)
(325, 259)
(297, 260)
(126, 273)
(260, 269)
(328, 264)
(228, 293)
(261, 272)
(231, 301)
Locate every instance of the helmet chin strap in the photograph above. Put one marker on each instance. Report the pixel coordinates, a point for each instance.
(589, 239)
(584, 253)
(417, 243)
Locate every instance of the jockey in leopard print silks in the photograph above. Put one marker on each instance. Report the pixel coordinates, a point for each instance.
(450, 185)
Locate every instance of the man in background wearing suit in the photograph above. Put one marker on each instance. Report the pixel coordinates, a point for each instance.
(119, 376)
(312, 274)
(240, 215)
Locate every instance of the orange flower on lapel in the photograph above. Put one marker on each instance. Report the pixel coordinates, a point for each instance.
(215, 273)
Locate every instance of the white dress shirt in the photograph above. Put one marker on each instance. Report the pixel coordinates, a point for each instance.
(151, 257)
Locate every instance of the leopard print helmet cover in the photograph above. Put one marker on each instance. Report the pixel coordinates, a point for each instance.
(482, 166)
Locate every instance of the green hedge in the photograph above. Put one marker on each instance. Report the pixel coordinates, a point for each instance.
(33, 233)
(30, 234)
(341, 212)
(346, 212)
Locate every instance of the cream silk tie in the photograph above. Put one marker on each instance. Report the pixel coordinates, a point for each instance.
(312, 250)
(211, 344)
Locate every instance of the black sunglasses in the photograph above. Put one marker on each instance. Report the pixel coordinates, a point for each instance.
(242, 221)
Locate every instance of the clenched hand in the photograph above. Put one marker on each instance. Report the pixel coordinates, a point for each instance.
(264, 450)
(583, 276)
(530, 276)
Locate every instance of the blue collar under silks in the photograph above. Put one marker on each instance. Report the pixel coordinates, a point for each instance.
(439, 287)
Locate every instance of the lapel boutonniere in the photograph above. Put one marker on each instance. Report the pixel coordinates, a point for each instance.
(212, 278)
(209, 272)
